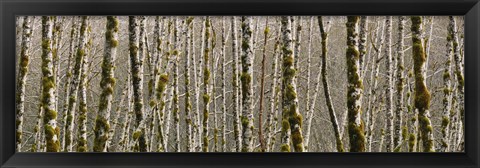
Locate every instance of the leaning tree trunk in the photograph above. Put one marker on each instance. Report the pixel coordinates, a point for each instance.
(355, 88)
(22, 78)
(236, 91)
(389, 85)
(326, 89)
(136, 60)
(70, 111)
(372, 108)
(292, 119)
(107, 84)
(400, 75)
(447, 91)
(422, 95)
(52, 131)
(82, 95)
(246, 80)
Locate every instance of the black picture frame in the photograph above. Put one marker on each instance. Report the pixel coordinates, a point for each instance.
(11, 8)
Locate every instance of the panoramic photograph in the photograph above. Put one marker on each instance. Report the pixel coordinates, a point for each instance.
(240, 84)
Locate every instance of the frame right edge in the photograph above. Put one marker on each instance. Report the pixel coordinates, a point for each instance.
(472, 74)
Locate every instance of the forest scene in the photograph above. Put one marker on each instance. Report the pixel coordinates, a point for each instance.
(240, 84)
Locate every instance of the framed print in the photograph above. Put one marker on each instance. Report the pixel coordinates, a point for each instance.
(239, 83)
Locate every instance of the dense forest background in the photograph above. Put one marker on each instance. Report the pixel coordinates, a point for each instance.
(240, 84)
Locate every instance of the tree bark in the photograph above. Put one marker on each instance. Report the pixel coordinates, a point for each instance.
(236, 91)
(107, 83)
(355, 88)
(22, 78)
(389, 85)
(52, 131)
(246, 80)
(292, 119)
(136, 61)
(422, 95)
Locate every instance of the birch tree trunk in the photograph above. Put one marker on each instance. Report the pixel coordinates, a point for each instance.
(22, 78)
(52, 131)
(224, 94)
(292, 119)
(236, 92)
(447, 91)
(372, 108)
(355, 88)
(400, 75)
(422, 95)
(247, 89)
(107, 83)
(326, 89)
(74, 37)
(188, 106)
(458, 59)
(362, 43)
(82, 95)
(176, 107)
(310, 104)
(206, 87)
(262, 88)
(136, 60)
(70, 111)
(389, 85)
(275, 90)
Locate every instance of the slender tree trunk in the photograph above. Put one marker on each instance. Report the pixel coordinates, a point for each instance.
(422, 95)
(37, 142)
(198, 81)
(362, 43)
(372, 107)
(236, 91)
(400, 75)
(206, 87)
(447, 91)
(355, 88)
(247, 89)
(82, 95)
(196, 90)
(275, 90)
(326, 89)
(389, 85)
(74, 37)
(176, 107)
(107, 83)
(52, 131)
(70, 111)
(262, 88)
(458, 59)
(310, 104)
(22, 78)
(292, 119)
(224, 94)
(124, 138)
(188, 106)
(118, 112)
(136, 59)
